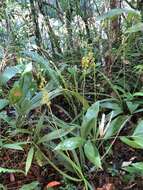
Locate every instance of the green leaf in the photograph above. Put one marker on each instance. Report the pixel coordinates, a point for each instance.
(5, 117)
(135, 168)
(132, 106)
(116, 12)
(15, 146)
(130, 143)
(90, 120)
(6, 170)
(38, 128)
(116, 125)
(56, 134)
(135, 28)
(22, 131)
(40, 159)
(26, 82)
(9, 73)
(138, 111)
(109, 104)
(30, 186)
(15, 94)
(70, 143)
(25, 106)
(36, 101)
(44, 63)
(139, 129)
(29, 159)
(92, 154)
(136, 140)
(138, 94)
(3, 103)
(55, 93)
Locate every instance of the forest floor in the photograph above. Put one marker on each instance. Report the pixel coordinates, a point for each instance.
(103, 180)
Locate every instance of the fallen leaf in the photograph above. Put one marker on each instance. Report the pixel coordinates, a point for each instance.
(53, 184)
(12, 177)
(108, 186)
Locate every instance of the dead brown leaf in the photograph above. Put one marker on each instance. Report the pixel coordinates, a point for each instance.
(108, 186)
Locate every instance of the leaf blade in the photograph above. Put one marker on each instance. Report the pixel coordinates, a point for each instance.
(29, 160)
(92, 154)
(70, 143)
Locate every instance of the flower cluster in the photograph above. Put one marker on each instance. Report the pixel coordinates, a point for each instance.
(87, 60)
(45, 97)
(42, 80)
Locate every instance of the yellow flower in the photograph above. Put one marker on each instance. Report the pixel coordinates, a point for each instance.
(42, 81)
(87, 60)
(45, 97)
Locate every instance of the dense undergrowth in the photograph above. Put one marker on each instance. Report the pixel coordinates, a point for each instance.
(71, 89)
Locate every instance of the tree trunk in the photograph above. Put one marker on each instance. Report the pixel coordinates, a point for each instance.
(36, 25)
(85, 19)
(114, 38)
(115, 25)
(69, 27)
(52, 36)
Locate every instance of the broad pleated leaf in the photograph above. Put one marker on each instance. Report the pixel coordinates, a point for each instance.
(7, 170)
(9, 73)
(70, 144)
(29, 159)
(3, 103)
(136, 140)
(135, 168)
(139, 129)
(90, 120)
(92, 154)
(130, 143)
(15, 146)
(135, 28)
(116, 125)
(56, 134)
(116, 12)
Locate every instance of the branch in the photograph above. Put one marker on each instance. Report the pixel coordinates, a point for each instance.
(97, 9)
(130, 4)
